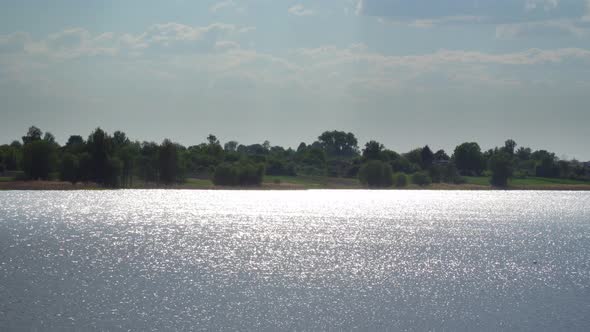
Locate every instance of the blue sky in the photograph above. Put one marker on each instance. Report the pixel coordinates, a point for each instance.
(406, 73)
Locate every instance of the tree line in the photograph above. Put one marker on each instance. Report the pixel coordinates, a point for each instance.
(116, 161)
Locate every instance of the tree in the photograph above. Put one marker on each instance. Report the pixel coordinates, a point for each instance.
(212, 140)
(69, 168)
(168, 162)
(421, 179)
(441, 155)
(33, 134)
(100, 149)
(523, 153)
(120, 139)
(48, 137)
(509, 146)
(501, 167)
(401, 180)
(373, 150)
(38, 159)
(238, 174)
(376, 174)
(427, 157)
(230, 146)
(468, 158)
(338, 143)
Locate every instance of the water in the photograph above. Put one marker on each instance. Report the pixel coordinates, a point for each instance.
(305, 260)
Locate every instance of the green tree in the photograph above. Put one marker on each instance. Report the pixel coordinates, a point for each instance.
(468, 158)
(100, 148)
(69, 168)
(39, 159)
(339, 143)
(501, 168)
(230, 146)
(421, 179)
(441, 156)
(426, 157)
(509, 146)
(376, 174)
(373, 150)
(33, 134)
(168, 162)
(401, 180)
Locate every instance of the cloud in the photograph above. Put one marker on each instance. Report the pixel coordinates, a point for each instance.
(78, 42)
(299, 10)
(222, 5)
(543, 28)
(496, 12)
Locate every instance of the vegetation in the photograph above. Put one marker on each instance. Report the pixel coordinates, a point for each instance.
(334, 160)
(376, 174)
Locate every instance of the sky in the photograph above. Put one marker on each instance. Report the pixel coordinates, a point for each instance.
(403, 72)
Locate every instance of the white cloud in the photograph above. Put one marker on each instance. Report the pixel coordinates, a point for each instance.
(569, 27)
(299, 10)
(78, 42)
(222, 5)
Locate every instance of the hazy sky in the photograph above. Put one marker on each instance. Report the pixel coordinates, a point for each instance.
(403, 72)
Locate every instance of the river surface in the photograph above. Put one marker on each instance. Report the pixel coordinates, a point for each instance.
(145, 260)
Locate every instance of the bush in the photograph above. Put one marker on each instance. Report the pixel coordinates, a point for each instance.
(377, 174)
(238, 174)
(421, 179)
(501, 167)
(69, 168)
(401, 180)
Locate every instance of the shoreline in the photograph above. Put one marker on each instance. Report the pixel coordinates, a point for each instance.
(67, 186)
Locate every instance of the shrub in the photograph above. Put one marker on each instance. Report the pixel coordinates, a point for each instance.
(238, 174)
(501, 167)
(377, 174)
(421, 179)
(69, 168)
(401, 180)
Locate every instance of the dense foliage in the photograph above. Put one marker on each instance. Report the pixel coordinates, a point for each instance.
(116, 161)
(376, 174)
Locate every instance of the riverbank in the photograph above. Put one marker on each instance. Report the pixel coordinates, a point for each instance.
(307, 183)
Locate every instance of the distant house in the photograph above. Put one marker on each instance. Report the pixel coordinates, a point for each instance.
(587, 164)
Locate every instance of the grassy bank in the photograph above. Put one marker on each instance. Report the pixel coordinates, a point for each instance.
(309, 182)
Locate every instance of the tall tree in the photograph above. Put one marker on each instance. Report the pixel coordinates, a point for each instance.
(100, 149)
(168, 162)
(427, 157)
(339, 143)
(33, 134)
(501, 167)
(468, 158)
(372, 150)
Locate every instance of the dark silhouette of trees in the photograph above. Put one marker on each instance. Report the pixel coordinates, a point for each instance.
(509, 146)
(373, 150)
(238, 174)
(69, 168)
(100, 147)
(117, 161)
(33, 134)
(230, 146)
(401, 180)
(39, 159)
(469, 159)
(441, 156)
(501, 167)
(339, 144)
(426, 157)
(421, 178)
(168, 162)
(376, 174)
